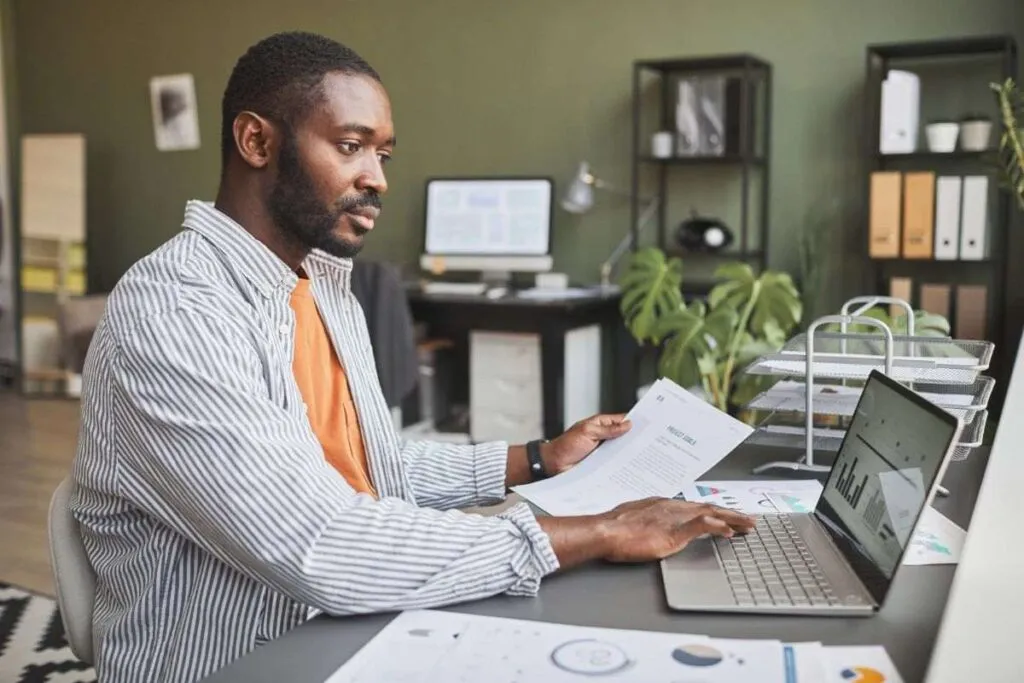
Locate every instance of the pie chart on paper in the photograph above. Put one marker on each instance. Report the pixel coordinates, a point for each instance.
(862, 674)
(697, 655)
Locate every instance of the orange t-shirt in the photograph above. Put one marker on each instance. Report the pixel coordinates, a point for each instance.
(324, 388)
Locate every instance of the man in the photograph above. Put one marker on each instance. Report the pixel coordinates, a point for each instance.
(238, 471)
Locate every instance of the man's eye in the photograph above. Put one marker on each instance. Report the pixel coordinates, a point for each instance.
(384, 158)
(348, 147)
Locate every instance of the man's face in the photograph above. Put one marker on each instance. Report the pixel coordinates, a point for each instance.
(330, 175)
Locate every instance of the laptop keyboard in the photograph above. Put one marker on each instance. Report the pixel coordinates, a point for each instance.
(771, 565)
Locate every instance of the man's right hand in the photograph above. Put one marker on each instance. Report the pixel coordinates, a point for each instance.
(654, 528)
(639, 531)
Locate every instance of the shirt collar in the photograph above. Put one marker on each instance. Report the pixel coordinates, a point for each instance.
(258, 263)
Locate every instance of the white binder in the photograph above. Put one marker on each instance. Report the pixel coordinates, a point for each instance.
(974, 219)
(947, 217)
(900, 111)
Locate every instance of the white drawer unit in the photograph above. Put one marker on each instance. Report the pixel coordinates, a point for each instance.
(506, 383)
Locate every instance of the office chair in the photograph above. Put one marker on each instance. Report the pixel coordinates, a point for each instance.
(73, 575)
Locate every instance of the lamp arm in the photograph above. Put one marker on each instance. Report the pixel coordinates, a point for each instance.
(645, 217)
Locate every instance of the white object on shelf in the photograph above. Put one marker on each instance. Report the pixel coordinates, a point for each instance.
(975, 135)
(947, 217)
(899, 112)
(942, 137)
(974, 224)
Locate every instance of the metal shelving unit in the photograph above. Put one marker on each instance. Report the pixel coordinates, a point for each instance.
(946, 371)
(750, 157)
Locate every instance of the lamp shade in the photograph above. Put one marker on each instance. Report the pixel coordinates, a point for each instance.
(579, 196)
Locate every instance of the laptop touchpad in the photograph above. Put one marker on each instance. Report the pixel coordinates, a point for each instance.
(694, 577)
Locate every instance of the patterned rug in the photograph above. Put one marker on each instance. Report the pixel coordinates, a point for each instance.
(33, 648)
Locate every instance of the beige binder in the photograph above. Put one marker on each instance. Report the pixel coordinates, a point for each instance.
(971, 312)
(918, 214)
(901, 288)
(935, 299)
(884, 219)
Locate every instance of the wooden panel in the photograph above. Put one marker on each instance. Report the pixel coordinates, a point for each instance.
(53, 187)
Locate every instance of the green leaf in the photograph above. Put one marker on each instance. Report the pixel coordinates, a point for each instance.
(777, 303)
(695, 339)
(650, 291)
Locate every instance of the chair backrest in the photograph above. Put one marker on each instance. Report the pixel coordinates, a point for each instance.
(72, 573)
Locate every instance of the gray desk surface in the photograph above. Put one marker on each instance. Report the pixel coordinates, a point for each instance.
(618, 596)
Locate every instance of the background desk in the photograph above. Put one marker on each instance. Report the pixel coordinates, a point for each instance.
(619, 596)
(506, 370)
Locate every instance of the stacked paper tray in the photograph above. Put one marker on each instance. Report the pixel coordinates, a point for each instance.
(963, 400)
(853, 356)
(786, 430)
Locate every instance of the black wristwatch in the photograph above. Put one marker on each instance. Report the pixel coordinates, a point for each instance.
(537, 470)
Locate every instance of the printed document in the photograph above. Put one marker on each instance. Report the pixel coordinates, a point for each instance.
(675, 438)
(466, 648)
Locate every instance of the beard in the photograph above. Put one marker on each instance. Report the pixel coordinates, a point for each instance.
(302, 216)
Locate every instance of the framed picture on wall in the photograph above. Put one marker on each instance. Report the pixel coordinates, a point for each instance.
(175, 114)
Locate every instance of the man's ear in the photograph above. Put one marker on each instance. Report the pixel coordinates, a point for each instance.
(255, 138)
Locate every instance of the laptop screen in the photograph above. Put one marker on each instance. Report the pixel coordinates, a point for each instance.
(884, 473)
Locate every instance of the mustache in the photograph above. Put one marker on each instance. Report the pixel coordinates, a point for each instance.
(354, 202)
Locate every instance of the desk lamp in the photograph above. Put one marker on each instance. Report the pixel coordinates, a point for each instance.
(579, 198)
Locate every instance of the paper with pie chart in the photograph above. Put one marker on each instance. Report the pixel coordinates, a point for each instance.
(464, 648)
(766, 497)
(859, 664)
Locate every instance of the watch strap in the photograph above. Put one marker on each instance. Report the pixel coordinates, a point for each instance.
(537, 470)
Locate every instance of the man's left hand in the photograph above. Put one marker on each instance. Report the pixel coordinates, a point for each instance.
(580, 440)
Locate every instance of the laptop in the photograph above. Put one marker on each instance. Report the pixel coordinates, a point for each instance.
(842, 558)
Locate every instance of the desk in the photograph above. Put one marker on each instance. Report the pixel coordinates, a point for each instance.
(460, 317)
(617, 596)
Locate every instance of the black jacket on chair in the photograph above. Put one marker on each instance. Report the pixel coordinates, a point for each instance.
(379, 289)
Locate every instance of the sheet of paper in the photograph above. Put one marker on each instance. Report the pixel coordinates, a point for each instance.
(912, 371)
(937, 541)
(757, 497)
(463, 648)
(862, 664)
(675, 438)
(788, 396)
(805, 662)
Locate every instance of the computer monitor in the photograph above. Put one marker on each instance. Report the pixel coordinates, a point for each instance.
(493, 225)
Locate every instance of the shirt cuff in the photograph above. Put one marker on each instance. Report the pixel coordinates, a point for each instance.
(536, 558)
(491, 461)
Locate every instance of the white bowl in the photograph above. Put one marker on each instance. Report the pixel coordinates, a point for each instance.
(942, 136)
(974, 135)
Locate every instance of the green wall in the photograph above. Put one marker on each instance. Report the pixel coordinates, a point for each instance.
(478, 87)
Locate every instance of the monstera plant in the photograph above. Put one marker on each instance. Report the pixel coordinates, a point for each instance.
(707, 344)
(1011, 141)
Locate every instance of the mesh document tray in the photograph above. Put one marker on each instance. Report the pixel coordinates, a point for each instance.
(962, 400)
(936, 360)
(786, 430)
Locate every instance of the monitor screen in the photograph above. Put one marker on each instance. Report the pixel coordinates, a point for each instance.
(489, 217)
(883, 475)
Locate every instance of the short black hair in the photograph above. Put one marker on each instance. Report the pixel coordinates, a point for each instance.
(281, 78)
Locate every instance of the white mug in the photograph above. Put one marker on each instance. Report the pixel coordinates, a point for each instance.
(661, 145)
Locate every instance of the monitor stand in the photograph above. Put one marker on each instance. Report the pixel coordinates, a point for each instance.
(496, 278)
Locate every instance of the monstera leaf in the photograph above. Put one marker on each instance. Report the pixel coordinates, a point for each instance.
(775, 299)
(650, 293)
(1011, 142)
(696, 338)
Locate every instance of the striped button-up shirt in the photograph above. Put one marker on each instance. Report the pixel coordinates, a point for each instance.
(207, 509)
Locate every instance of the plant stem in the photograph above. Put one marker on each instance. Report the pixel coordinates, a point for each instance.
(737, 336)
(716, 392)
